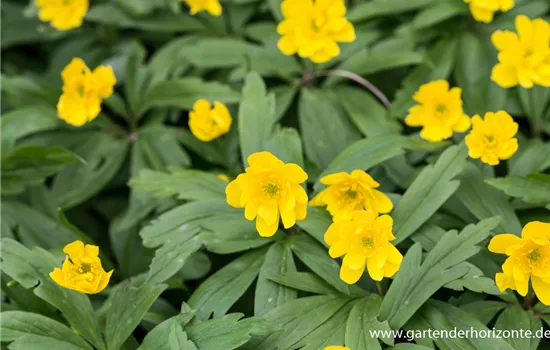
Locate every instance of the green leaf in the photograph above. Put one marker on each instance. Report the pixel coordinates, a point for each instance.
(362, 322)
(316, 257)
(269, 294)
(534, 188)
(221, 290)
(129, 303)
(326, 131)
(378, 8)
(31, 268)
(26, 121)
(37, 342)
(30, 165)
(304, 281)
(415, 283)
(110, 14)
(285, 144)
(365, 153)
(185, 184)
(365, 63)
(484, 310)
(532, 157)
(516, 319)
(184, 92)
(16, 325)
(256, 116)
(296, 319)
(104, 155)
(178, 339)
(438, 65)
(156, 338)
(134, 76)
(430, 189)
(484, 201)
(438, 12)
(316, 223)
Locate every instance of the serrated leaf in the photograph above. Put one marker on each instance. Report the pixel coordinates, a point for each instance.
(362, 322)
(177, 339)
(484, 310)
(129, 303)
(221, 290)
(534, 188)
(515, 318)
(269, 295)
(430, 189)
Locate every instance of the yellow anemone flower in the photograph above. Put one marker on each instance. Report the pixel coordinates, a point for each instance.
(364, 239)
(524, 58)
(83, 91)
(208, 123)
(492, 138)
(528, 257)
(213, 7)
(313, 28)
(82, 270)
(439, 111)
(268, 190)
(484, 10)
(62, 14)
(347, 193)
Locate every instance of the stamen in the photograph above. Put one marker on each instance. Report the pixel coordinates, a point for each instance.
(271, 190)
(366, 242)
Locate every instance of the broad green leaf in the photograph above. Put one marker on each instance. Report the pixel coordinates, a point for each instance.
(178, 340)
(532, 157)
(365, 153)
(325, 130)
(362, 320)
(256, 116)
(430, 189)
(129, 303)
(296, 319)
(104, 155)
(484, 310)
(316, 223)
(377, 8)
(285, 144)
(438, 65)
(31, 268)
(516, 319)
(278, 260)
(185, 184)
(213, 151)
(30, 165)
(110, 14)
(284, 95)
(156, 338)
(416, 282)
(25, 121)
(484, 201)
(134, 76)
(184, 92)
(365, 63)
(161, 149)
(304, 281)
(17, 324)
(438, 12)
(221, 290)
(316, 257)
(534, 188)
(38, 342)
(368, 114)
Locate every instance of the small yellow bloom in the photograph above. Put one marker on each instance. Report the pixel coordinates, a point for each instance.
(313, 28)
(82, 270)
(492, 139)
(62, 14)
(439, 111)
(223, 177)
(524, 58)
(334, 347)
(528, 257)
(213, 7)
(207, 123)
(268, 190)
(364, 239)
(484, 10)
(83, 91)
(350, 192)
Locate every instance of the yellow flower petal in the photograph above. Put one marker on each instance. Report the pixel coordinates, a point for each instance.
(266, 229)
(537, 231)
(501, 243)
(541, 289)
(350, 276)
(234, 191)
(354, 260)
(383, 202)
(295, 173)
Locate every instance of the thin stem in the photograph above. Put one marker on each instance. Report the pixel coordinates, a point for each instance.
(379, 288)
(529, 300)
(349, 75)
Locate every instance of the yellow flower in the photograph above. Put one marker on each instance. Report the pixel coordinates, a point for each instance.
(83, 91)
(439, 111)
(213, 7)
(333, 347)
(62, 14)
(347, 193)
(207, 123)
(524, 58)
(484, 10)
(492, 139)
(365, 241)
(82, 270)
(313, 28)
(269, 189)
(528, 256)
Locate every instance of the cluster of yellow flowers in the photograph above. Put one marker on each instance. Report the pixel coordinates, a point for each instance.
(484, 10)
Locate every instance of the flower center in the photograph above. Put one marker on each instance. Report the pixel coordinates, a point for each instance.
(351, 194)
(441, 109)
(85, 268)
(366, 241)
(80, 89)
(534, 256)
(528, 53)
(271, 190)
(318, 22)
(490, 139)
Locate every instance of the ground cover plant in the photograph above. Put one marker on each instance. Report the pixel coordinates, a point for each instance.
(297, 174)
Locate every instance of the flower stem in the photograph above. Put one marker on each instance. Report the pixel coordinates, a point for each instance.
(379, 288)
(529, 300)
